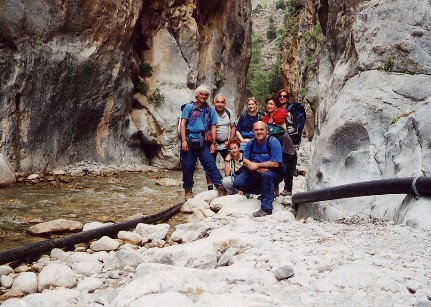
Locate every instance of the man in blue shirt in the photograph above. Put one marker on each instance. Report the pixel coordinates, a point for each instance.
(198, 119)
(259, 173)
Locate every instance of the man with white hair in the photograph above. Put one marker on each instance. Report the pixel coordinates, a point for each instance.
(198, 135)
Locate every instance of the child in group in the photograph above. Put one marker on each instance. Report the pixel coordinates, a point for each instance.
(233, 164)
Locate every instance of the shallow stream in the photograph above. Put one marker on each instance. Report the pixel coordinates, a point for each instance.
(112, 197)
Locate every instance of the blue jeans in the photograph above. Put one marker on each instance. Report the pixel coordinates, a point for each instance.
(188, 162)
(256, 183)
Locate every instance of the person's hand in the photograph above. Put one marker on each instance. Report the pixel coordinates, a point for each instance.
(253, 166)
(212, 148)
(184, 146)
(262, 170)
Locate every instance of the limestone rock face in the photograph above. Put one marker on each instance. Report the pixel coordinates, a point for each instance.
(373, 103)
(69, 69)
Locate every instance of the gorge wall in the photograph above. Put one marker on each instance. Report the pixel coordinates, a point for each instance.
(368, 85)
(69, 72)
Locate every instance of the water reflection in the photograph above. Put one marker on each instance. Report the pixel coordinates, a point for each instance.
(105, 198)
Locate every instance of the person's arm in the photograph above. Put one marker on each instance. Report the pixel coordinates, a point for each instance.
(184, 145)
(239, 136)
(214, 133)
(255, 166)
(227, 165)
(232, 130)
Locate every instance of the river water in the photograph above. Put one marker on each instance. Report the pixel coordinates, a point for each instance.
(111, 197)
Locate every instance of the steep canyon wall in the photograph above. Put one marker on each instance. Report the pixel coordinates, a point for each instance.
(69, 70)
(372, 100)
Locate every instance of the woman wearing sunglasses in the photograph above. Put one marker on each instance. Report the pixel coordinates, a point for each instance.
(290, 156)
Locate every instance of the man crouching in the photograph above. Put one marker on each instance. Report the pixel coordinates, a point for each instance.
(259, 173)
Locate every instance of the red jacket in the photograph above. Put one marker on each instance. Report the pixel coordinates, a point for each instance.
(278, 116)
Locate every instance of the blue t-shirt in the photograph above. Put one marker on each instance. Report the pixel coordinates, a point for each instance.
(195, 126)
(259, 153)
(245, 124)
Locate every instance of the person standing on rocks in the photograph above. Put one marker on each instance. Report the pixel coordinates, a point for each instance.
(198, 135)
(290, 155)
(225, 130)
(262, 157)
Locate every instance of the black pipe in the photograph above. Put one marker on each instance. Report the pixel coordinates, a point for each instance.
(419, 186)
(38, 248)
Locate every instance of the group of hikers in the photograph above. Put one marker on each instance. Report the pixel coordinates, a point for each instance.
(259, 149)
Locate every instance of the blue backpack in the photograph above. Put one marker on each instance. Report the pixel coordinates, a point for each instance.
(295, 122)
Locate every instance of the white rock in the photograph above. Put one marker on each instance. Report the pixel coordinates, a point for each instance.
(236, 205)
(25, 282)
(105, 244)
(193, 204)
(168, 182)
(199, 215)
(189, 232)
(89, 284)
(282, 271)
(15, 302)
(162, 300)
(130, 237)
(56, 275)
(60, 225)
(229, 253)
(218, 203)
(152, 232)
(87, 268)
(125, 257)
(207, 196)
(6, 281)
(7, 175)
(33, 177)
(5, 270)
(198, 254)
(58, 297)
(22, 268)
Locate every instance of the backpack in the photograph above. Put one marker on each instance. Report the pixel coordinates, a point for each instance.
(282, 168)
(276, 131)
(208, 111)
(295, 121)
(260, 115)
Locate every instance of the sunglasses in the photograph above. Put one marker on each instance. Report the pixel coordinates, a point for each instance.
(282, 96)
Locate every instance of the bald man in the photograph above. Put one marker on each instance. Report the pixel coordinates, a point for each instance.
(259, 174)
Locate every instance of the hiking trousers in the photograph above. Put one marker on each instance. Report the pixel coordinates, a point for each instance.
(188, 162)
(254, 182)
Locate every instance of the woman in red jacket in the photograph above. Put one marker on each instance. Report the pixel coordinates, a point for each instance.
(274, 114)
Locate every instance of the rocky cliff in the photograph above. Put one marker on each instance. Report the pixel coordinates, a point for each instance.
(372, 100)
(70, 71)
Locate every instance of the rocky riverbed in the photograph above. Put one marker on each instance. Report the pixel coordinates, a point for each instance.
(232, 259)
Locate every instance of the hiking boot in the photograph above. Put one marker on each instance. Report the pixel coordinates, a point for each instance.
(221, 191)
(286, 193)
(210, 187)
(188, 194)
(260, 213)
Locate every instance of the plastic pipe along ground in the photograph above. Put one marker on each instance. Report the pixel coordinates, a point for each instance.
(34, 250)
(418, 186)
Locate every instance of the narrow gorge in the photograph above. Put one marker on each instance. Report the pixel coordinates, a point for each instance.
(103, 82)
